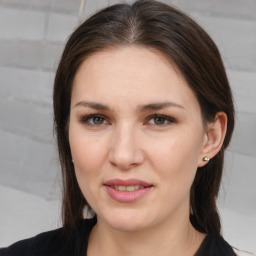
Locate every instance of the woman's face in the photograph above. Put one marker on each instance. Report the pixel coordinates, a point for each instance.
(136, 137)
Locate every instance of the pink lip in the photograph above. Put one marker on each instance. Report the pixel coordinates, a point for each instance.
(127, 196)
(129, 182)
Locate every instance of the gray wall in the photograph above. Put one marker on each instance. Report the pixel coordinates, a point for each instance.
(32, 35)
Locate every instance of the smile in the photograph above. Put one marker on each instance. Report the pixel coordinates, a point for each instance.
(127, 191)
(127, 188)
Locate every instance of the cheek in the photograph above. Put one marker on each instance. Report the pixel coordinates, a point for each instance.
(176, 168)
(88, 153)
(176, 158)
(88, 159)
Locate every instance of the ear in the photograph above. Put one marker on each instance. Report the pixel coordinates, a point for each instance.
(213, 139)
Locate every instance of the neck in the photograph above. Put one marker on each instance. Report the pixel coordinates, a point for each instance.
(179, 239)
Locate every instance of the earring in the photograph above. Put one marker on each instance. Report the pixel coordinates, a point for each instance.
(206, 159)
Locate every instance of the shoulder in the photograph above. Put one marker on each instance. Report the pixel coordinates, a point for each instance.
(52, 243)
(34, 245)
(242, 253)
(215, 246)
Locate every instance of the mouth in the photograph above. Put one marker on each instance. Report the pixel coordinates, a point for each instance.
(128, 188)
(127, 191)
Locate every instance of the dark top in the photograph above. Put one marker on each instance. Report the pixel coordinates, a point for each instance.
(58, 243)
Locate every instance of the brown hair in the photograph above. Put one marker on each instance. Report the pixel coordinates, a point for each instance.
(155, 25)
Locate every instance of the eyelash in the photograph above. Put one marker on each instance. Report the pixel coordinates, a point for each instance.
(86, 120)
(164, 117)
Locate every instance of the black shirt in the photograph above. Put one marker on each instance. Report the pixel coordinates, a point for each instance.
(58, 243)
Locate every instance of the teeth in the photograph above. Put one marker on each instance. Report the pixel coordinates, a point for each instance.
(127, 188)
(121, 188)
(132, 188)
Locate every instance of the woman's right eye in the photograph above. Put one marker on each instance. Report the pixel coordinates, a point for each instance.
(94, 120)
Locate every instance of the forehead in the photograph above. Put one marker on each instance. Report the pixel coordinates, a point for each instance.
(133, 56)
(130, 73)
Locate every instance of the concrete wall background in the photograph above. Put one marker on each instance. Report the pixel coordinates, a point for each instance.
(32, 36)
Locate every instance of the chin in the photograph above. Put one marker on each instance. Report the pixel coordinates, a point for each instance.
(127, 221)
(128, 226)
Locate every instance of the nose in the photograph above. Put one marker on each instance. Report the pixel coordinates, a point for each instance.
(125, 152)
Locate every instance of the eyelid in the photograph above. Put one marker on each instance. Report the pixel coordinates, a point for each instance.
(168, 118)
(84, 119)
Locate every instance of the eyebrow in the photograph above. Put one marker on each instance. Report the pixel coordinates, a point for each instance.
(93, 105)
(158, 106)
(141, 108)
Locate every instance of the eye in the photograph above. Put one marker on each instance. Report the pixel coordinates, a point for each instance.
(94, 120)
(160, 120)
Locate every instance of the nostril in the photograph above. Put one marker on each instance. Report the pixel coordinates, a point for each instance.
(125, 152)
(125, 160)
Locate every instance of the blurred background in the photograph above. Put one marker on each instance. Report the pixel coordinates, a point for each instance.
(32, 36)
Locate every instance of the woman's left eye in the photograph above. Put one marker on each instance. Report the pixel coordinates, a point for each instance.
(160, 120)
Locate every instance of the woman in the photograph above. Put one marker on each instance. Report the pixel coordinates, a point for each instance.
(143, 114)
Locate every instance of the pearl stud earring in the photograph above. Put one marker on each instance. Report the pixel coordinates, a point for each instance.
(206, 159)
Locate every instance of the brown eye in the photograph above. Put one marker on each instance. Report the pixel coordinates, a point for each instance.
(97, 120)
(159, 120)
(94, 120)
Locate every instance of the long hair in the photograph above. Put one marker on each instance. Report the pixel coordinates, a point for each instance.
(154, 25)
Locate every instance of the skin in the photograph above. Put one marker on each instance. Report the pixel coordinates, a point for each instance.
(125, 139)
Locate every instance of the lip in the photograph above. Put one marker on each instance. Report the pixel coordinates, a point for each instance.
(129, 182)
(127, 196)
